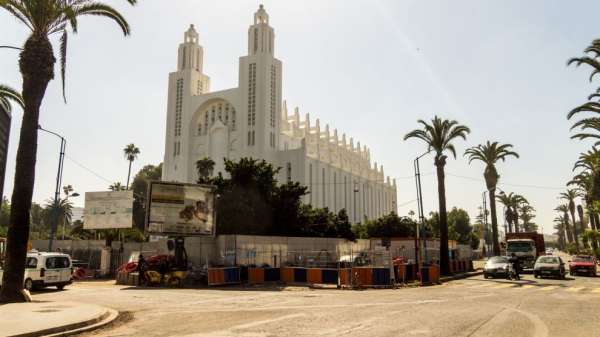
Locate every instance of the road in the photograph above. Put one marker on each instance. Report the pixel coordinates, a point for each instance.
(468, 307)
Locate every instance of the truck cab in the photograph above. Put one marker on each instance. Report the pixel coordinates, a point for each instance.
(524, 249)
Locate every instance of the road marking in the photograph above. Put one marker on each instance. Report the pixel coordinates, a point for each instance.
(481, 285)
(596, 291)
(506, 285)
(574, 289)
(526, 286)
(548, 288)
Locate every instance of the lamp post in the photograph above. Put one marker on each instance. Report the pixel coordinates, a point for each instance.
(355, 192)
(61, 159)
(485, 223)
(420, 211)
(74, 194)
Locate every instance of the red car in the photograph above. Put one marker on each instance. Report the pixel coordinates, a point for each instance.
(582, 264)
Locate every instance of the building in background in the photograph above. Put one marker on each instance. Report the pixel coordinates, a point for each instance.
(5, 119)
(251, 120)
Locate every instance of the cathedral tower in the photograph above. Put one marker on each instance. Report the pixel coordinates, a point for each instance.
(260, 83)
(186, 82)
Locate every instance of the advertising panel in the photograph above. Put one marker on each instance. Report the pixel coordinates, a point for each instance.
(181, 209)
(107, 210)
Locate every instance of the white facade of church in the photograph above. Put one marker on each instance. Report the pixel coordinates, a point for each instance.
(252, 121)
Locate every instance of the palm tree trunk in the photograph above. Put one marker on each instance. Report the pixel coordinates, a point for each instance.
(568, 228)
(508, 220)
(575, 231)
(444, 251)
(495, 243)
(516, 220)
(594, 225)
(36, 63)
(128, 175)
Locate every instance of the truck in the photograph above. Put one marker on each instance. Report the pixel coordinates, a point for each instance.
(527, 246)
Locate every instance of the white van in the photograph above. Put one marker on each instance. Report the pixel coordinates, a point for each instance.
(46, 270)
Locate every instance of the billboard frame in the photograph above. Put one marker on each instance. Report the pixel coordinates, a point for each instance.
(130, 196)
(215, 198)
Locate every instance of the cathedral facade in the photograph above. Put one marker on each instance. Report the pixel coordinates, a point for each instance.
(253, 121)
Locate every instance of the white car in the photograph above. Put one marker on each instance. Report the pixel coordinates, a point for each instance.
(46, 270)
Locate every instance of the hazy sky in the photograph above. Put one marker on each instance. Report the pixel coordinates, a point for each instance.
(369, 68)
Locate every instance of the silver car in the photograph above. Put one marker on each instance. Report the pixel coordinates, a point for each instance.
(497, 266)
(549, 266)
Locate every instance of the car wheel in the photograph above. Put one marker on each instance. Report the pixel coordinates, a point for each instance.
(536, 275)
(28, 284)
(60, 287)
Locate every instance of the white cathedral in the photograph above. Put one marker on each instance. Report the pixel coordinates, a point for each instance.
(252, 121)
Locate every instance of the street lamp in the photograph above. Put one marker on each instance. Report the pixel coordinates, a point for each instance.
(421, 216)
(61, 159)
(355, 192)
(74, 195)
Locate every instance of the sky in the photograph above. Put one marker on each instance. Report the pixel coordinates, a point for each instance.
(371, 69)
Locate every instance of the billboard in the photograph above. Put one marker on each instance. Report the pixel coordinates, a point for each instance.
(106, 210)
(180, 209)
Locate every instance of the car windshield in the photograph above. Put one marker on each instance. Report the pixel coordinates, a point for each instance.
(547, 259)
(582, 259)
(499, 259)
(519, 247)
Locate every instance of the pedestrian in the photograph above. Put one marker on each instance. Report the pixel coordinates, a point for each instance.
(142, 267)
(515, 264)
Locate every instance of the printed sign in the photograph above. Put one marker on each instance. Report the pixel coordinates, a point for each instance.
(183, 209)
(106, 210)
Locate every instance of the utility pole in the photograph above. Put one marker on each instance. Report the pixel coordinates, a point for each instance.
(421, 215)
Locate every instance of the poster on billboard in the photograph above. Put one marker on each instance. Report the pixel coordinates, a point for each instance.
(106, 210)
(180, 209)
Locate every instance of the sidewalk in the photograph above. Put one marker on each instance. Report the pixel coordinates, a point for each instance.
(52, 318)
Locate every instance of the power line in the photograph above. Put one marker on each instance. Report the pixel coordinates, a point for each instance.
(507, 184)
(88, 169)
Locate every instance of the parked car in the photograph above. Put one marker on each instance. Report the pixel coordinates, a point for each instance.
(497, 266)
(549, 266)
(582, 264)
(46, 270)
(549, 251)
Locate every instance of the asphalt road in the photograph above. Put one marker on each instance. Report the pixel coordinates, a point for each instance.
(468, 307)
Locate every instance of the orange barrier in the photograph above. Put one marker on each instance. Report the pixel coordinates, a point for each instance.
(365, 276)
(345, 276)
(216, 276)
(227, 275)
(256, 275)
(314, 276)
(287, 274)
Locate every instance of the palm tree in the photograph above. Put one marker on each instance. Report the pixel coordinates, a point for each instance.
(36, 63)
(564, 209)
(61, 208)
(559, 226)
(490, 154)
(131, 152)
(8, 94)
(512, 202)
(439, 136)
(570, 196)
(526, 213)
(116, 186)
(205, 167)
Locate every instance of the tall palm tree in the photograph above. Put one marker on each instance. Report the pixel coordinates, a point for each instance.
(439, 137)
(131, 152)
(205, 167)
(512, 203)
(570, 195)
(526, 212)
(116, 186)
(564, 209)
(559, 226)
(490, 154)
(36, 62)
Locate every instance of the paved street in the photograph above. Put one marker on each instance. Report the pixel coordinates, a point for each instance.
(469, 307)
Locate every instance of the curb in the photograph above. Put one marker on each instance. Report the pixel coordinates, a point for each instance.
(461, 276)
(108, 317)
(65, 330)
